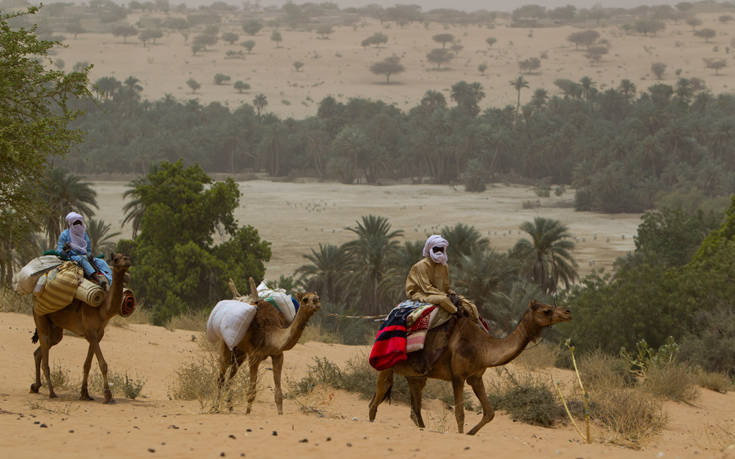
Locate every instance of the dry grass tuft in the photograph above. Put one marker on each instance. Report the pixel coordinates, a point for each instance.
(673, 381)
(632, 415)
(198, 381)
(317, 333)
(190, 320)
(718, 382)
(60, 378)
(527, 399)
(120, 385)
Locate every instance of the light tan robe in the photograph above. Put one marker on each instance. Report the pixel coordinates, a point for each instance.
(429, 282)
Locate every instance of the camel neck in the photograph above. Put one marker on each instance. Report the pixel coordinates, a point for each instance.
(289, 336)
(497, 352)
(114, 296)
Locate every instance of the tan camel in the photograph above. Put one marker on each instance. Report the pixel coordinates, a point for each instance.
(85, 321)
(469, 351)
(269, 335)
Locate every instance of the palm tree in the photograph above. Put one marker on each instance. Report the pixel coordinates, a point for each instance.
(463, 240)
(588, 87)
(400, 261)
(367, 260)
(519, 83)
(260, 101)
(507, 308)
(325, 272)
(547, 257)
(539, 98)
(63, 193)
(482, 273)
(134, 209)
(100, 235)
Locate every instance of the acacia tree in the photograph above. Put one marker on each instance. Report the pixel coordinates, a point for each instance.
(443, 38)
(249, 45)
(439, 56)
(252, 27)
(388, 66)
(375, 39)
(277, 38)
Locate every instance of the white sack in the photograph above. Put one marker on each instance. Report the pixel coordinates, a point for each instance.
(278, 298)
(26, 279)
(229, 321)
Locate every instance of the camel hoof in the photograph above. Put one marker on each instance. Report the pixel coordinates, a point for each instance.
(86, 397)
(53, 395)
(247, 410)
(110, 401)
(34, 388)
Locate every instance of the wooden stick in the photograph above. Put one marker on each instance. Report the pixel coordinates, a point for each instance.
(253, 291)
(233, 289)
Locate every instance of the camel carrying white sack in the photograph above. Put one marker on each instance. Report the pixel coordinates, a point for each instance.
(25, 281)
(229, 321)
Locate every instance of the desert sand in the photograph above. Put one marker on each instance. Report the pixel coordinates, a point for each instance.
(339, 66)
(154, 425)
(296, 217)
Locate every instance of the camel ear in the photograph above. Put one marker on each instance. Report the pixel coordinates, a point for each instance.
(299, 296)
(533, 304)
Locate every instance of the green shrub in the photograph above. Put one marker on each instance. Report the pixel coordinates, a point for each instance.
(132, 387)
(712, 346)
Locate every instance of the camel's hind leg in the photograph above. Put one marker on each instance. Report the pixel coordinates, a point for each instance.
(458, 386)
(254, 363)
(37, 358)
(48, 335)
(416, 386)
(488, 413)
(277, 361)
(85, 376)
(382, 391)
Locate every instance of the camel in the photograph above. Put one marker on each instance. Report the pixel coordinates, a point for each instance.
(469, 351)
(86, 321)
(269, 335)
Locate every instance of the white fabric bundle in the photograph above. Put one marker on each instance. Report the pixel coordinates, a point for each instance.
(26, 279)
(278, 298)
(229, 321)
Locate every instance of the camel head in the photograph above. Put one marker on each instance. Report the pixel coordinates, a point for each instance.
(119, 262)
(309, 302)
(545, 315)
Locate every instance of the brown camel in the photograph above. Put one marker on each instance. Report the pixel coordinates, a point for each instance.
(269, 335)
(469, 351)
(85, 321)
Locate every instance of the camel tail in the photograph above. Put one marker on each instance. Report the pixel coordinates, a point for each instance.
(34, 338)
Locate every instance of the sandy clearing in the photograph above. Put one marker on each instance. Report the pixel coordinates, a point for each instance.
(177, 429)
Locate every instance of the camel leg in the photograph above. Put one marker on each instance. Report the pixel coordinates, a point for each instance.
(45, 346)
(277, 361)
(488, 413)
(37, 358)
(415, 386)
(382, 391)
(85, 376)
(254, 363)
(226, 358)
(103, 368)
(458, 386)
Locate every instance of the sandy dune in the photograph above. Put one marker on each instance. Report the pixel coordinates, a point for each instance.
(339, 66)
(296, 217)
(34, 426)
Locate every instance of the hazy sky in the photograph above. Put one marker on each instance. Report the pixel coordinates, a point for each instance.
(469, 5)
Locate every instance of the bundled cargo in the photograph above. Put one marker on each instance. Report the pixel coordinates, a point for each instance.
(26, 279)
(229, 321)
(59, 287)
(90, 293)
(285, 303)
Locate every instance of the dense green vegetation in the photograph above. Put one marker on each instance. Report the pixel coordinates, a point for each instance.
(622, 150)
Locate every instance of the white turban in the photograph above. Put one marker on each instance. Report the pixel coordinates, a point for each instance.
(436, 240)
(76, 232)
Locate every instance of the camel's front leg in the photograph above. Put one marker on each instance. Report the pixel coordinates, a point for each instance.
(458, 386)
(254, 363)
(37, 358)
(85, 377)
(415, 386)
(226, 359)
(382, 391)
(277, 361)
(488, 413)
(95, 344)
(45, 346)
